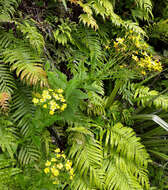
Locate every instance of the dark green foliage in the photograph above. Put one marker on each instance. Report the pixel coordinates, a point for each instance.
(94, 52)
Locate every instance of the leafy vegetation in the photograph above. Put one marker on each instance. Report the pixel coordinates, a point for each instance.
(83, 95)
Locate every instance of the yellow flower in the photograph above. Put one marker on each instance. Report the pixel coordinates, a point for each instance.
(57, 150)
(143, 72)
(58, 155)
(135, 58)
(63, 107)
(56, 96)
(45, 106)
(47, 170)
(54, 171)
(51, 112)
(42, 100)
(48, 97)
(60, 166)
(71, 177)
(63, 155)
(62, 100)
(48, 163)
(115, 44)
(68, 165)
(53, 160)
(60, 90)
(120, 40)
(45, 92)
(35, 100)
(71, 171)
(69, 162)
(144, 53)
(50, 90)
(55, 182)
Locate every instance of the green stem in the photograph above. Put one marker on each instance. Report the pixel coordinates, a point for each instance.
(113, 93)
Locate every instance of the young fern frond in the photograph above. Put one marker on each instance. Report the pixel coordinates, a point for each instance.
(26, 63)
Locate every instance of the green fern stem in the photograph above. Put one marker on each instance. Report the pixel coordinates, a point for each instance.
(111, 98)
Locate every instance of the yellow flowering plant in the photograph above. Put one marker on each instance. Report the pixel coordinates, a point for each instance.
(133, 46)
(51, 100)
(59, 169)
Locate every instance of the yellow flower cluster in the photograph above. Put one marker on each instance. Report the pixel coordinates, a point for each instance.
(59, 167)
(133, 44)
(119, 45)
(147, 62)
(50, 99)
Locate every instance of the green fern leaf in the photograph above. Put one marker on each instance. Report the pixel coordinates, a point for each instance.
(26, 63)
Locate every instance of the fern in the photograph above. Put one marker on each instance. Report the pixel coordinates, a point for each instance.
(145, 9)
(129, 159)
(7, 9)
(146, 97)
(117, 161)
(63, 33)
(89, 43)
(28, 154)
(88, 20)
(7, 81)
(26, 63)
(30, 32)
(8, 170)
(8, 137)
(96, 103)
(88, 157)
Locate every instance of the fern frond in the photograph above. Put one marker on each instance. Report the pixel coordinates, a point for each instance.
(63, 33)
(86, 39)
(128, 158)
(22, 109)
(8, 138)
(4, 101)
(145, 5)
(7, 170)
(88, 20)
(30, 32)
(26, 63)
(7, 9)
(146, 97)
(6, 39)
(28, 154)
(88, 158)
(96, 103)
(7, 81)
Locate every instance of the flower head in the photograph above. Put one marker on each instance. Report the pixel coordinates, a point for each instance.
(35, 100)
(47, 170)
(57, 150)
(48, 163)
